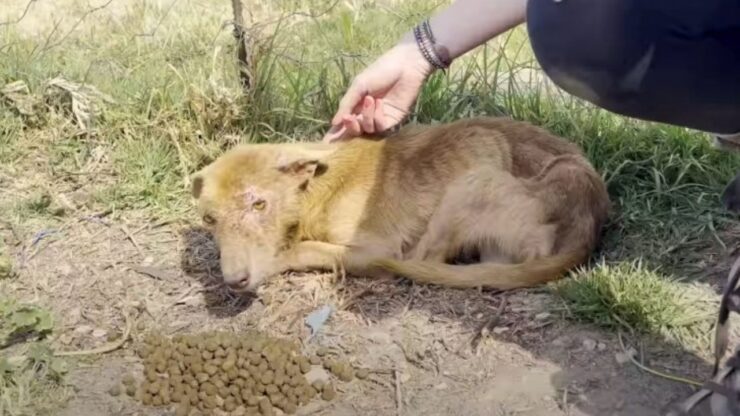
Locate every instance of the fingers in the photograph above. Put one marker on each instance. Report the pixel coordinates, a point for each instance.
(381, 124)
(352, 125)
(350, 100)
(372, 119)
(336, 132)
(368, 115)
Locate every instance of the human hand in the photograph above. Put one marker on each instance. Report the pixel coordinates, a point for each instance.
(380, 97)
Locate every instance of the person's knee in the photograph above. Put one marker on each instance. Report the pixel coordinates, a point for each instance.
(586, 49)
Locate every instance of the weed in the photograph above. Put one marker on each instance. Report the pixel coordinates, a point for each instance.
(21, 322)
(31, 376)
(630, 296)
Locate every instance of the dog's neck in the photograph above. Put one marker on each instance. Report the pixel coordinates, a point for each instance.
(347, 167)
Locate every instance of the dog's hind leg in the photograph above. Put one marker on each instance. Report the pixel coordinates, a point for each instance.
(494, 211)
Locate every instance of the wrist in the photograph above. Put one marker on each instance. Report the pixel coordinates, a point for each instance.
(429, 54)
(410, 48)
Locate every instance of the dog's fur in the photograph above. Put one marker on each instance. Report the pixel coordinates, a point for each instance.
(524, 202)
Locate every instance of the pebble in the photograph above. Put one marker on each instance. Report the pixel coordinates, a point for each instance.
(500, 330)
(623, 358)
(115, 390)
(589, 344)
(83, 329)
(317, 373)
(542, 316)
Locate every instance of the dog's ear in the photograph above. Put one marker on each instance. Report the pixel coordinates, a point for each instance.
(303, 168)
(196, 185)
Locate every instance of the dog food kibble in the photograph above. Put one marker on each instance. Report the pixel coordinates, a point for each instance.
(249, 374)
(329, 393)
(115, 390)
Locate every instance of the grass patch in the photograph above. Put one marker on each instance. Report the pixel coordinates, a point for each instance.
(630, 296)
(31, 378)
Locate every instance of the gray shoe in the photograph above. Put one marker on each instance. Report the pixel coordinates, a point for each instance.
(721, 395)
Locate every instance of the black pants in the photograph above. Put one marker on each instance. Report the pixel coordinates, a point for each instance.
(670, 61)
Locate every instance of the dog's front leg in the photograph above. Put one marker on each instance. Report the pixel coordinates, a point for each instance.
(313, 255)
(308, 255)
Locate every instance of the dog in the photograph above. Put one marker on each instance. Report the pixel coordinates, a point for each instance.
(480, 202)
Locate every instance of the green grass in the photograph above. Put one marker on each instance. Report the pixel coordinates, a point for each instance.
(178, 104)
(632, 297)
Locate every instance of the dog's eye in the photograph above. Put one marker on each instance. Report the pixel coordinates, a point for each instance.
(209, 219)
(259, 205)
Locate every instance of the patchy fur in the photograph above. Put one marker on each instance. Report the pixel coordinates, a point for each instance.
(522, 205)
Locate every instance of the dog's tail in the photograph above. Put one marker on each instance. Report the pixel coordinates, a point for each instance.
(491, 275)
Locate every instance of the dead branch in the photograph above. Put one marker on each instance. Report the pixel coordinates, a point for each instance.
(241, 45)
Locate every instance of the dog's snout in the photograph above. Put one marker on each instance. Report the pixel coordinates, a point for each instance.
(238, 283)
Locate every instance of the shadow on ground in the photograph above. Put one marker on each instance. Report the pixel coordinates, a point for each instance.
(200, 261)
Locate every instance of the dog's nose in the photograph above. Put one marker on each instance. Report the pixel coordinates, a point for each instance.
(238, 284)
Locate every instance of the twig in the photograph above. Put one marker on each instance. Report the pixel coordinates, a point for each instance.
(47, 46)
(111, 346)
(399, 398)
(18, 20)
(656, 372)
(483, 330)
(132, 239)
(241, 46)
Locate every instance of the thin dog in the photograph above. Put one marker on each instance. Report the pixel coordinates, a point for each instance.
(481, 202)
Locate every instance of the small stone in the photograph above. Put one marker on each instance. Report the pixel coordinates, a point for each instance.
(589, 344)
(623, 358)
(83, 329)
(441, 386)
(601, 346)
(99, 333)
(500, 330)
(317, 373)
(115, 390)
(542, 316)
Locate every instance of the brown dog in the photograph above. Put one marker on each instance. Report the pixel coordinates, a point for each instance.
(523, 201)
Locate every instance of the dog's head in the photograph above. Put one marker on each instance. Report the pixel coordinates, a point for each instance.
(249, 198)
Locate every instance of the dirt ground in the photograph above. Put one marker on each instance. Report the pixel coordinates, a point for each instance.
(431, 351)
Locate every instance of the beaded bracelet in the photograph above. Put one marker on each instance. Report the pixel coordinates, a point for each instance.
(435, 54)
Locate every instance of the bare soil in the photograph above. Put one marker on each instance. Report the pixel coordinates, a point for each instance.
(431, 351)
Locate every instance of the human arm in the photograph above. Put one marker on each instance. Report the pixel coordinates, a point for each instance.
(381, 95)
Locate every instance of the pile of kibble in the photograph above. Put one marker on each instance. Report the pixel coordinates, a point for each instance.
(217, 372)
